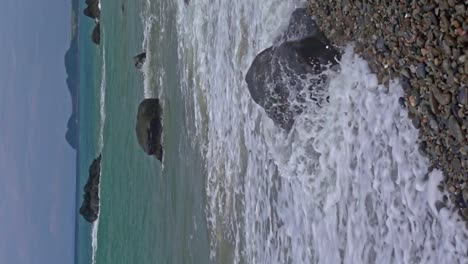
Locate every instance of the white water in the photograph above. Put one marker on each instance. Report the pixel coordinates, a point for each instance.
(148, 20)
(102, 113)
(347, 185)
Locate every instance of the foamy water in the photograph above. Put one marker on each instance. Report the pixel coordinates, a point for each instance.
(102, 121)
(148, 20)
(346, 185)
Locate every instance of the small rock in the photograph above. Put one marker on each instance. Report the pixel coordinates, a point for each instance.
(433, 104)
(402, 102)
(412, 100)
(455, 130)
(405, 84)
(439, 205)
(434, 125)
(462, 59)
(416, 122)
(441, 97)
(420, 70)
(456, 165)
(452, 189)
(405, 73)
(380, 44)
(460, 9)
(463, 97)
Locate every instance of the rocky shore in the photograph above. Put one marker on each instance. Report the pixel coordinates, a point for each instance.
(425, 44)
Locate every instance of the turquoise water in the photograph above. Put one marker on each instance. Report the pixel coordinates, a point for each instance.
(149, 214)
(233, 188)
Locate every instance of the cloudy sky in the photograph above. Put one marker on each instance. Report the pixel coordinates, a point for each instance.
(37, 167)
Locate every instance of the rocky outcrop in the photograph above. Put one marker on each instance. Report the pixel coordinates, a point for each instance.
(139, 60)
(96, 35)
(92, 10)
(280, 74)
(149, 127)
(90, 207)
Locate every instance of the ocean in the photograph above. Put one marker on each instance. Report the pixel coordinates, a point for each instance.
(346, 185)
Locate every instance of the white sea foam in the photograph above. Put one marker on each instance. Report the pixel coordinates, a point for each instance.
(347, 185)
(148, 20)
(102, 113)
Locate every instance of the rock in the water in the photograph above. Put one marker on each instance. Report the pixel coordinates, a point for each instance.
(92, 10)
(90, 207)
(279, 75)
(96, 35)
(149, 127)
(139, 60)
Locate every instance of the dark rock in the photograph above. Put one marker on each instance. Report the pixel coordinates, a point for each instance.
(301, 25)
(149, 127)
(455, 130)
(380, 44)
(463, 97)
(402, 102)
(433, 104)
(420, 70)
(90, 207)
(274, 78)
(92, 10)
(139, 60)
(96, 35)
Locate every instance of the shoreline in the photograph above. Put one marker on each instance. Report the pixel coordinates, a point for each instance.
(425, 45)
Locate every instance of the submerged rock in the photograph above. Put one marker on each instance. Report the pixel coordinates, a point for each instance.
(92, 10)
(280, 75)
(96, 35)
(90, 207)
(139, 60)
(149, 127)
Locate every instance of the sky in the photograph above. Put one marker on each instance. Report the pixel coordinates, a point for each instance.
(37, 167)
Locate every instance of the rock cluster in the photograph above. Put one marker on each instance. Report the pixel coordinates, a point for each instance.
(90, 207)
(93, 11)
(424, 44)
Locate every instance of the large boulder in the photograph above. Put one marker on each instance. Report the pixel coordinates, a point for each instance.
(96, 35)
(90, 207)
(281, 76)
(149, 127)
(92, 10)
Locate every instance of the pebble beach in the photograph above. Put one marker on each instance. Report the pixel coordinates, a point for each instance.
(423, 44)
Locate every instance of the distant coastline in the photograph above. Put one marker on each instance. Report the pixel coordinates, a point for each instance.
(73, 77)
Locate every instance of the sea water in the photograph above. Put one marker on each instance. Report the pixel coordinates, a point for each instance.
(346, 185)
